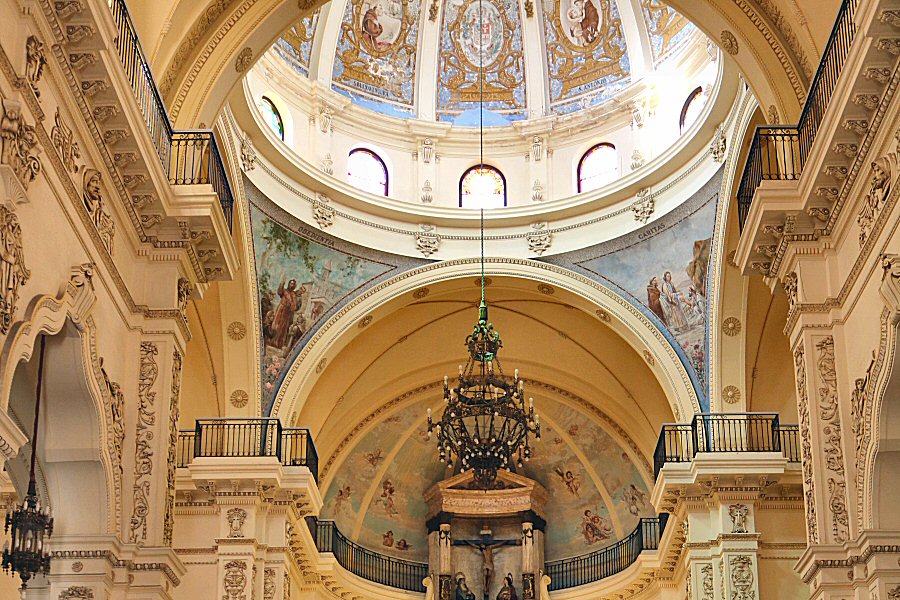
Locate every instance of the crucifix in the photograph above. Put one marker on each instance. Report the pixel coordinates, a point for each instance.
(486, 545)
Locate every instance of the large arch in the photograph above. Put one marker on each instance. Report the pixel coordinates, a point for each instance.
(207, 48)
(617, 313)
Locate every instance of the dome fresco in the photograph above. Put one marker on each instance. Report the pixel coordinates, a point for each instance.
(597, 483)
(577, 56)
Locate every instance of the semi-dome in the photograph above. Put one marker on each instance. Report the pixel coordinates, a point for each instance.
(420, 59)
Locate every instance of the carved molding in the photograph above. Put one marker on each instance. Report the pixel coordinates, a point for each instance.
(143, 445)
(830, 426)
(169, 523)
(806, 458)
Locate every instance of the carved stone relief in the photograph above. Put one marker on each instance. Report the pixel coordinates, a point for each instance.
(809, 494)
(539, 238)
(235, 580)
(731, 326)
(830, 419)
(644, 206)
(92, 194)
(18, 144)
(169, 516)
(77, 592)
(13, 272)
(791, 284)
(244, 60)
(248, 153)
(116, 426)
(884, 171)
(738, 514)
(323, 212)
(731, 394)
(537, 191)
(269, 583)
(427, 150)
(427, 239)
(742, 578)
(236, 518)
(184, 295)
(34, 62)
(637, 160)
(427, 196)
(719, 145)
(143, 445)
(729, 42)
(706, 581)
(64, 142)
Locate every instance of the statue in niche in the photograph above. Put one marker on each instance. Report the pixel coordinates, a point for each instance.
(508, 591)
(462, 591)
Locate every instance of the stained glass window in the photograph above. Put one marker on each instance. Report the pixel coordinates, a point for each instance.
(598, 166)
(482, 186)
(272, 116)
(691, 109)
(366, 171)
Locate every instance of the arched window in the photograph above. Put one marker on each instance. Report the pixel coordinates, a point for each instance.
(272, 116)
(366, 171)
(482, 186)
(691, 109)
(597, 167)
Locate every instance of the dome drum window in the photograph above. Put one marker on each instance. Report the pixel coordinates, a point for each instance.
(482, 186)
(597, 167)
(367, 171)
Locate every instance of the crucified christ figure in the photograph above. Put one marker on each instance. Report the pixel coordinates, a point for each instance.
(487, 546)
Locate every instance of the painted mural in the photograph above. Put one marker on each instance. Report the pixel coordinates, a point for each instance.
(663, 269)
(666, 27)
(472, 40)
(300, 280)
(295, 45)
(375, 62)
(587, 60)
(376, 494)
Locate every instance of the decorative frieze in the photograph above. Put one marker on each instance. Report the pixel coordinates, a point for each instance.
(830, 427)
(143, 445)
(77, 592)
(13, 272)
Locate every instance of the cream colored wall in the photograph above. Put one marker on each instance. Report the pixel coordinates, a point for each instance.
(202, 392)
(769, 371)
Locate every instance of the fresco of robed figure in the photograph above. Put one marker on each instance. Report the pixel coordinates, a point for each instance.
(380, 23)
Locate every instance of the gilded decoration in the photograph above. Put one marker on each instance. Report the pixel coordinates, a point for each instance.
(499, 48)
(376, 54)
(666, 27)
(295, 45)
(586, 56)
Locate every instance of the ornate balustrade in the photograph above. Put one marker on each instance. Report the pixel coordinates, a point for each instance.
(608, 561)
(234, 438)
(368, 564)
(780, 152)
(725, 432)
(188, 157)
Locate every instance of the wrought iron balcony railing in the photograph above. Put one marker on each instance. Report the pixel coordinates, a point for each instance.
(188, 157)
(608, 561)
(232, 438)
(725, 432)
(368, 564)
(779, 152)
